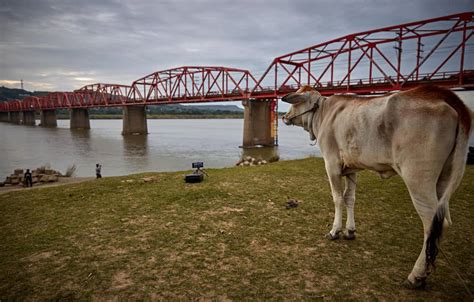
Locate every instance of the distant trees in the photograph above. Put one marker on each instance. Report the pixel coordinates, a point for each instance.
(14, 93)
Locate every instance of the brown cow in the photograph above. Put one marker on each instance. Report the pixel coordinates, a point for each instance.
(420, 134)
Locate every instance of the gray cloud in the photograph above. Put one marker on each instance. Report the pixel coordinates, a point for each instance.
(62, 45)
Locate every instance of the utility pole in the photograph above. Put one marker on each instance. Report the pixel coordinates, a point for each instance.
(21, 83)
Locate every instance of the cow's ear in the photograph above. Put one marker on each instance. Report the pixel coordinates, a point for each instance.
(295, 98)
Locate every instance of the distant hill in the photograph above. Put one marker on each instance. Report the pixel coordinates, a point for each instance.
(14, 93)
(194, 109)
(218, 107)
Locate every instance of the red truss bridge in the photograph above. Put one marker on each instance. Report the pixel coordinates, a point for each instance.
(437, 51)
(192, 84)
(103, 95)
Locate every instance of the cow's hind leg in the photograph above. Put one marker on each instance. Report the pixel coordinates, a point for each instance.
(349, 200)
(425, 200)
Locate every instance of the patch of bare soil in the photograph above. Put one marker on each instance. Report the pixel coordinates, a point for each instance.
(121, 280)
(41, 256)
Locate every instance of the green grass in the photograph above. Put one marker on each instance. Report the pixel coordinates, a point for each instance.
(229, 237)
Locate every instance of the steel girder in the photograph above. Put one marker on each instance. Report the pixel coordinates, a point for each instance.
(391, 58)
(192, 84)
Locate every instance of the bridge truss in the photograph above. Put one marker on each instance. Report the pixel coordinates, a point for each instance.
(391, 58)
(192, 84)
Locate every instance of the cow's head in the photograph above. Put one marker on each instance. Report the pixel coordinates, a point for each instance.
(304, 102)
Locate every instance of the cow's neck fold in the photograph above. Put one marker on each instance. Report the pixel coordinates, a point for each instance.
(308, 124)
(317, 118)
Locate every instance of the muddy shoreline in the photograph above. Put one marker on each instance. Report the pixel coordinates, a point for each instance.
(61, 181)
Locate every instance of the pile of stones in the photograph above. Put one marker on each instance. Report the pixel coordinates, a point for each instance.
(250, 161)
(38, 175)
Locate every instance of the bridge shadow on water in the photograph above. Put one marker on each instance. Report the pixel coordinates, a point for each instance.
(80, 134)
(81, 140)
(135, 145)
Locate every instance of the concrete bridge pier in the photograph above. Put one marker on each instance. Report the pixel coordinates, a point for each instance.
(15, 117)
(257, 123)
(4, 117)
(29, 118)
(79, 119)
(48, 118)
(134, 120)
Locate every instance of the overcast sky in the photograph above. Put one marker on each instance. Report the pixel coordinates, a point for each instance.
(64, 45)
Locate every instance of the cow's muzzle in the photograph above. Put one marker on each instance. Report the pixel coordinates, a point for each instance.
(286, 120)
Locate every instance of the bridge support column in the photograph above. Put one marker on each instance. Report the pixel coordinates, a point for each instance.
(29, 118)
(15, 117)
(48, 118)
(134, 120)
(4, 116)
(79, 119)
(257, 123)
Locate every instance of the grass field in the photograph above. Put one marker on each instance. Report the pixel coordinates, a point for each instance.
(229, 237)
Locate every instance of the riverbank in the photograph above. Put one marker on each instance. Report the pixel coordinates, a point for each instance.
(152, 236)
(61, 181)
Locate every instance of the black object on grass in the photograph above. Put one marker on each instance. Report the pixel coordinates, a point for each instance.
(292, 203)
(197, 175)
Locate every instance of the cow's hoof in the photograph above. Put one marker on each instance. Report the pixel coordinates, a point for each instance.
(332, 237)
(349, 235)
(420, 283)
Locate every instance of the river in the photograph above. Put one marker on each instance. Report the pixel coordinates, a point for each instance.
(171, 145)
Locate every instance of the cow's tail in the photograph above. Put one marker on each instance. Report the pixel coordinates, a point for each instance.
(433, 240)
(452, 174)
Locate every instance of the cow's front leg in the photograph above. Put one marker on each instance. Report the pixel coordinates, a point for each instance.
(349, 200)
(335, 180)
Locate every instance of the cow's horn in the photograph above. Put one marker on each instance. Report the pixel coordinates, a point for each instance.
(293, 98)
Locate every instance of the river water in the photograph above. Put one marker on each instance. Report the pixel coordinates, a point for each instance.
(171, 145)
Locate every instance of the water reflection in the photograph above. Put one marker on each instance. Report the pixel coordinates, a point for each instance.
(135, 145)
(135, 153)
(80, 133)
(81, 141)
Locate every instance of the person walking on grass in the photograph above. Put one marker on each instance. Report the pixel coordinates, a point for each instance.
(28, 178)
(97, 170)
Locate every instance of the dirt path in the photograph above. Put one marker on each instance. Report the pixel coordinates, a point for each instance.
(61, 181)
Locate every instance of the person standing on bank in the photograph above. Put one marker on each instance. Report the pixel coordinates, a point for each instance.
(28, 178)
(97, 170)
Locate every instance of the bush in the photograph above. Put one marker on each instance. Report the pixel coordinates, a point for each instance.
(70, 171)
